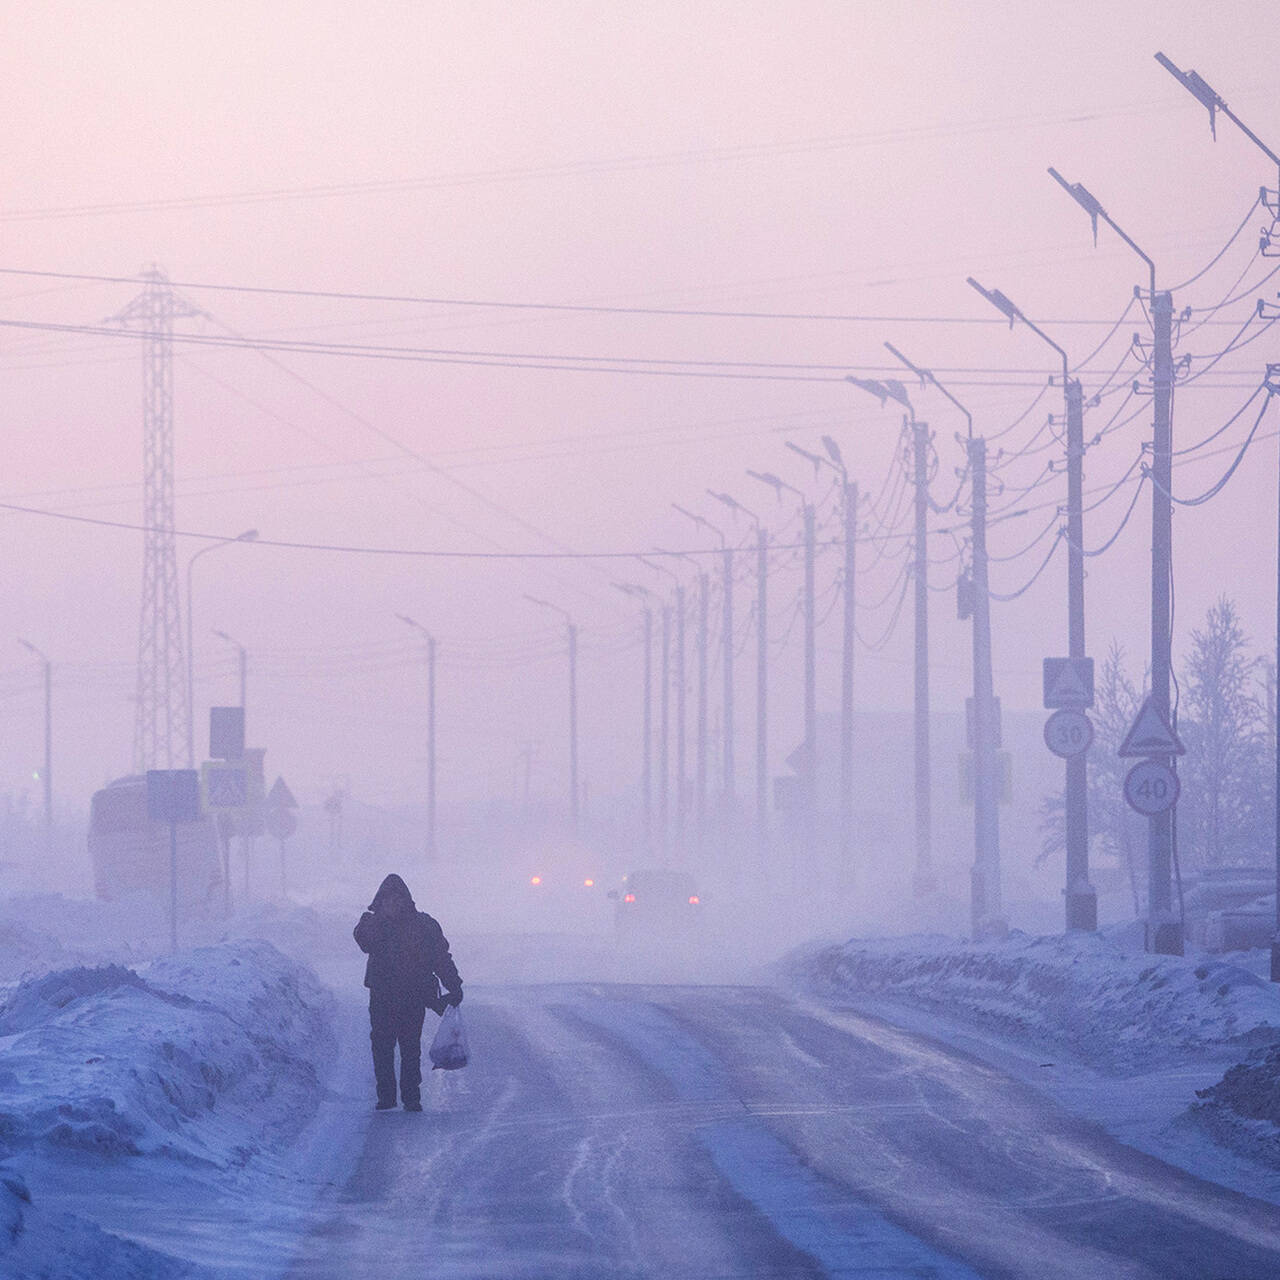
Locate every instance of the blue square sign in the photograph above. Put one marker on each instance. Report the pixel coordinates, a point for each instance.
(173, 795)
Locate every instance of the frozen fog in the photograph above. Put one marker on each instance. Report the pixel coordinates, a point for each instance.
(720, 557)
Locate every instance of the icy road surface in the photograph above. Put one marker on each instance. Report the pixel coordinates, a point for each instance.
(667, 1131)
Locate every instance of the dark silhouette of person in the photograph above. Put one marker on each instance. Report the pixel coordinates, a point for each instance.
(409, 962)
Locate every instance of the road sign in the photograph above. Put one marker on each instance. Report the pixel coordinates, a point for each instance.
(1151, 787)
(1068, 682)
(1150, 735)
(281, 822)
(1068, 732)
(226, 785)
(226, 733)
(280, 797)
(173, 795)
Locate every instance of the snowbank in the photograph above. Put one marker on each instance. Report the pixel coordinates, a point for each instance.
(1079, 994)
(203, 1056)
(208, 1058)
(39, 1246)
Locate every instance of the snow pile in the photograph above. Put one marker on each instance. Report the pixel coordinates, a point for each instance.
(58, 1246)
(209, 1056)
(1080, 994)
(1242, 1110)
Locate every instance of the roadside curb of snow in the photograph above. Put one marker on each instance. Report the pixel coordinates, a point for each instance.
(1080, 994)
(208, 1058)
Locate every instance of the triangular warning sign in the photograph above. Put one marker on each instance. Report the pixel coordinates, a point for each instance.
(1068, 688)
(280, 797)
(1150, 735)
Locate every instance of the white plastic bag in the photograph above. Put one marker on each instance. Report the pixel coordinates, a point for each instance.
(448, 1050)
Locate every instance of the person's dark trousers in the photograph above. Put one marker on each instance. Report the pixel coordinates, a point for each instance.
(395, 1020)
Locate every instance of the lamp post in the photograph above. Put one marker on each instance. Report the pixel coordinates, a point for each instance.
(249, 535)
(987, 914)
(1196, 86)
(1081, 899)
(890, 389)
(47, 771)
(762, 664)
(726, 663)
(572, 631)
(1164, 929)
(809, 774)
(646, 766)
(242, 658)
(849, 503)
(663, 754)
(431, 731)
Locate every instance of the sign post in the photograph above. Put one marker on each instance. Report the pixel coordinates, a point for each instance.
(1068, 693)
(173, 796)
(281, 821)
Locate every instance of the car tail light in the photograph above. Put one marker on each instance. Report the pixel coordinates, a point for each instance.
(693, 902)
(630, 897)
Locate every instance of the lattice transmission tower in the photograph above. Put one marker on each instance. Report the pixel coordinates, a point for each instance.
(160, 727)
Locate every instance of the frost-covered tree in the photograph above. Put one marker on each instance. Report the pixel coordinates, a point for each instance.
(1222, 810)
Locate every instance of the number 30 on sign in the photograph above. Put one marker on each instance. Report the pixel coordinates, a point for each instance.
(1151, 787)
(1068, 733)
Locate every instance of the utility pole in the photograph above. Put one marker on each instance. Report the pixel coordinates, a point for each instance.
(850, 500)
(762, 686)
(988, 921)
(431, 849)
(987, 917)
(660, 567)
(700, 782)
(762, 665)
(1164, 929)
(46, 774)
(726, 662)
(923, 881)
(1205, 95)
(809, 772)
(161, 729)
(664, 761)
(704, 640)
(1081, 898)
(572, 634)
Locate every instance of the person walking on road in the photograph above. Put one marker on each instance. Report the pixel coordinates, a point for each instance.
(409, 971)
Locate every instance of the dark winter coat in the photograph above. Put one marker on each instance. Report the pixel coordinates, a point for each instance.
(408, 956)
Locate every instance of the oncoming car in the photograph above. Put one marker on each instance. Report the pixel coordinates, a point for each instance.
(657, 903)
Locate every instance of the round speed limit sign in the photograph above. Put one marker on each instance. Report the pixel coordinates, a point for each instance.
(1151, 787)
(1068, 732)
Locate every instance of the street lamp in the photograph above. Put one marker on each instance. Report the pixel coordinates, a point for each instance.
(1081, 900)
(1164, 929)
(988, 919)
(834, 460)
(726, 664)
(243, 659)
(573, 704)
(47, 772)
(809, 773)
(249, 535)
(1196, 86)
(762, 663)
(431, 731)
(883, 390)
(634, 590)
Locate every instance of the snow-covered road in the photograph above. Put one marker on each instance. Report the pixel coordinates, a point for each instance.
(670, 1131)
